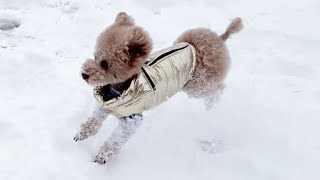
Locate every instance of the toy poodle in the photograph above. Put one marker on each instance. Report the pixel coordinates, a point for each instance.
(128, 79)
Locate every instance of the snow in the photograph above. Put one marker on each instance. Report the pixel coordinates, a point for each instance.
(265, 125)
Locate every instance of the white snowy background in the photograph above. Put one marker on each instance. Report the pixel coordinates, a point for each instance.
(265, 126)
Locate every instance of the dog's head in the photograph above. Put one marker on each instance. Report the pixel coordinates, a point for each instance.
(120, 52)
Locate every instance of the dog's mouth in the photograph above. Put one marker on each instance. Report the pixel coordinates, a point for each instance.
(111, 91)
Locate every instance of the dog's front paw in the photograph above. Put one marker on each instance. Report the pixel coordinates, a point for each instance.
(105, 154)
(89, 128)
(79, 137)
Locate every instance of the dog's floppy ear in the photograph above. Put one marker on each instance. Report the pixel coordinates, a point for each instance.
(139, 46)
(123, 19)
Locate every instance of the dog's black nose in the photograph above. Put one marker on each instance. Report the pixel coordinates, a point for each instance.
(85, 76)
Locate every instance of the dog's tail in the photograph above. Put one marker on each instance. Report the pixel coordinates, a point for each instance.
(234, 27)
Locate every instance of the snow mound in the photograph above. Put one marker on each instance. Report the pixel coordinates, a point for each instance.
(7, 24)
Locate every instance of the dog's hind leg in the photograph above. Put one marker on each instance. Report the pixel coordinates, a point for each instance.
(213, 95)
(125, 129)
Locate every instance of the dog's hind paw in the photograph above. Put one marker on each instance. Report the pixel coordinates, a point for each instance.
(100, 159)
(105, 154)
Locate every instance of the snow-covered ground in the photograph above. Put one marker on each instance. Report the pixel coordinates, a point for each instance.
(265, 126)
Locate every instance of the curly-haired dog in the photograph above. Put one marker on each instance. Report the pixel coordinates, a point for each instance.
(127, 80)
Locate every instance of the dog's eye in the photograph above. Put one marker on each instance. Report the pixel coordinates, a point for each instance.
(104, 64)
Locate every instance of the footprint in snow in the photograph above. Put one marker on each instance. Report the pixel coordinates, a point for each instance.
(212, 146)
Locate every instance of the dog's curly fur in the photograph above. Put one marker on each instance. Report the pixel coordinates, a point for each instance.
(123, 47)
(212, 59)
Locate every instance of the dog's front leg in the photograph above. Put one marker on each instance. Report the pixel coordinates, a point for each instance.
(125, 129)
(93, 124)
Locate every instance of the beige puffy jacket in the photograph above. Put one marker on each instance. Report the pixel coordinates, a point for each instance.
(162, 76)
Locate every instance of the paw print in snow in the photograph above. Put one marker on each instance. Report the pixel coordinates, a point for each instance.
(212, 146)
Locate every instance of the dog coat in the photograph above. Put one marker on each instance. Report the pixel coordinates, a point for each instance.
(162, 76)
